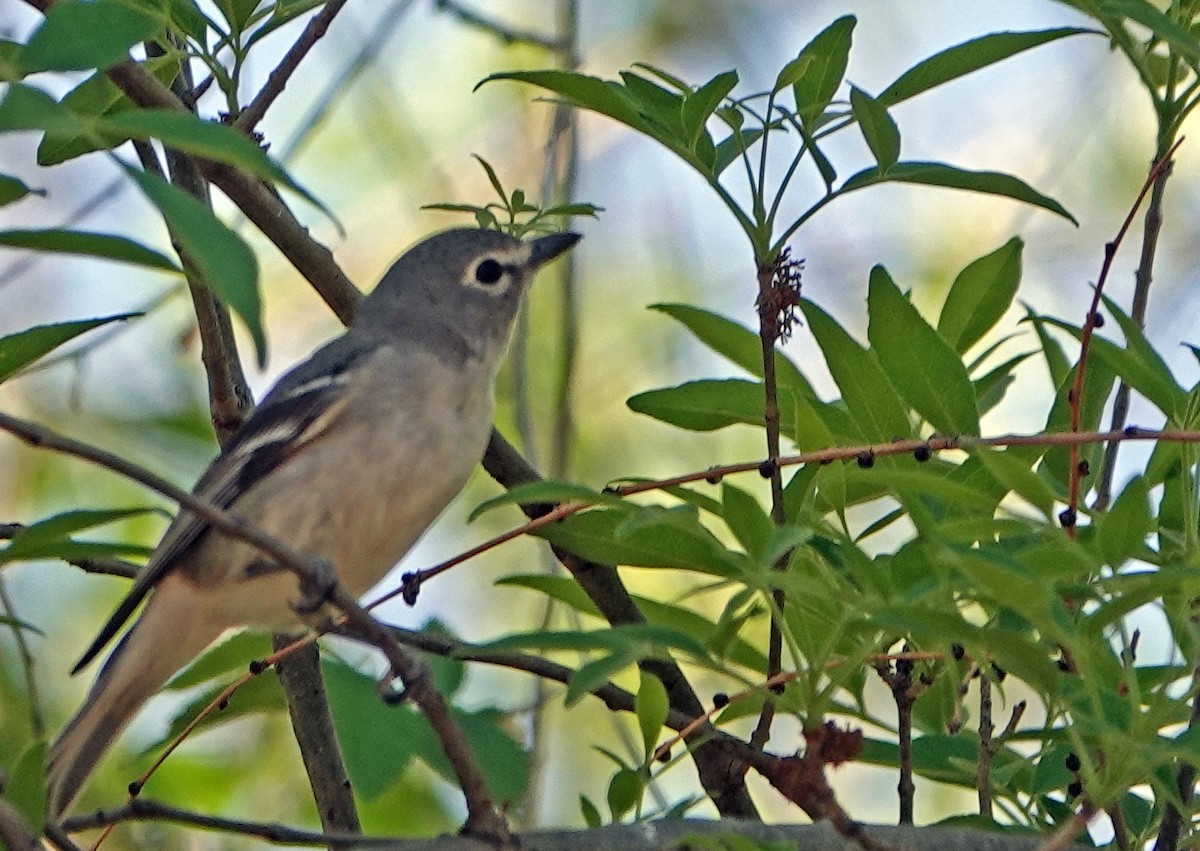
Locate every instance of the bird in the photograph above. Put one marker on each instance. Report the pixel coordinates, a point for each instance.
(348, 458)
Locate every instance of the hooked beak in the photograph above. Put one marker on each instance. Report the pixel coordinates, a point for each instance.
(546, 248)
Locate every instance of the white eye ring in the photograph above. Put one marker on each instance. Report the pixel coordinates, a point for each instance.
(490, 274)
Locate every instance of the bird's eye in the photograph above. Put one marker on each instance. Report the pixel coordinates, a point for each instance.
(488, 271)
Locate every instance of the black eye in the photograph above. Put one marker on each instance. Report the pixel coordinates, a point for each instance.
(488, 271)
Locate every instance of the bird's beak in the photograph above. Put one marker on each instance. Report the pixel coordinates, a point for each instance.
(546, 248)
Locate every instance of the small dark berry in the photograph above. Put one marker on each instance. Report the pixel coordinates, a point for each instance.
(777, 688)
(720, 700)
(923, 453)
(1068, 518)
(134, 789)
(1097, 320)
(1132, 431)
(958, 652)
(257, 667)
(1075, 789)
(866, 459)
(713, 478)
(223, 705)
(664, 755)
(767, 468)
(608, 489)
(1073, 762)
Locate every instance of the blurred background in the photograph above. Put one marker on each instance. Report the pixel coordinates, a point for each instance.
(383, 118)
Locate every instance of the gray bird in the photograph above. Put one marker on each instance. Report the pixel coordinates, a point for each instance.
(350, 457)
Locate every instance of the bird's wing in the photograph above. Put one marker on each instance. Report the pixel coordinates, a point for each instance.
(296, 412)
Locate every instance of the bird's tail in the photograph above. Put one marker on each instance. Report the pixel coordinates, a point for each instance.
(164, 639)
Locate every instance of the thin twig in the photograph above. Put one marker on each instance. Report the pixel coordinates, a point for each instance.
(502, 31)
(983, 771)
(37, 722)
(1075, 475)
(277, 80)
(319, 583)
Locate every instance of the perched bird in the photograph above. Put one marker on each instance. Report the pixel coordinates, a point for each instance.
(349, 457)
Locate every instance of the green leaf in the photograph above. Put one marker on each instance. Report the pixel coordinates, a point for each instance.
(710, 404)
(603, 96)
(828, 55)
(1181, 40)
(14, 189)
(29, 108)
(952, 177)
(25, 788)
(747, 520)
(1056, 359)
(920, 364)
(561, 588)
(78, 36)
(966, 58)
(226, 263)
(50, 538)
(672, 542)
(873, 402)
(1166, 390)
(624, 791)
(739, 345)
(651, 707)
(1138, 365)
(1123, 530)
(980, 295)
(100, 245)
(1014, 473)
(548, 493)
(230, 657)
(731, 147)
(791, 73)
(699, 106)
(591, 815)
(19, 350)
(878, 128)
(95, 97)
(205, 139)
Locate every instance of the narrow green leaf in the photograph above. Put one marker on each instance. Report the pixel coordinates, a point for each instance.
(95, 97)
(624, 791)
(549, 493)
(1015, 474)
(1123, 530)
(25, 788)
(980, 295)
(877, 409)
(19, 350)
(1140, 349)
(952, 177)
(14, 189)
(100, 245)
(991, 387)
(730, 148)
(560, 588)
(591, 815)
(739, 345)
(966, 58)
(1139, 367)
(225, 261)
(828, 54)
(921, 365)
(878, 129)
(1056, 359)
(699, 106)
(747, 520)
(710, 404)
(1181, 40)
(597, 535)
(602, 96)
(791, 73)
(28, 108)
(78, 36)
(206, 139)
(651, 707)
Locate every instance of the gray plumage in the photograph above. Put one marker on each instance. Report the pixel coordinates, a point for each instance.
(349, 457)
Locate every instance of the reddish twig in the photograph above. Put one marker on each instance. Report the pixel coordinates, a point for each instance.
(1075, 475)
